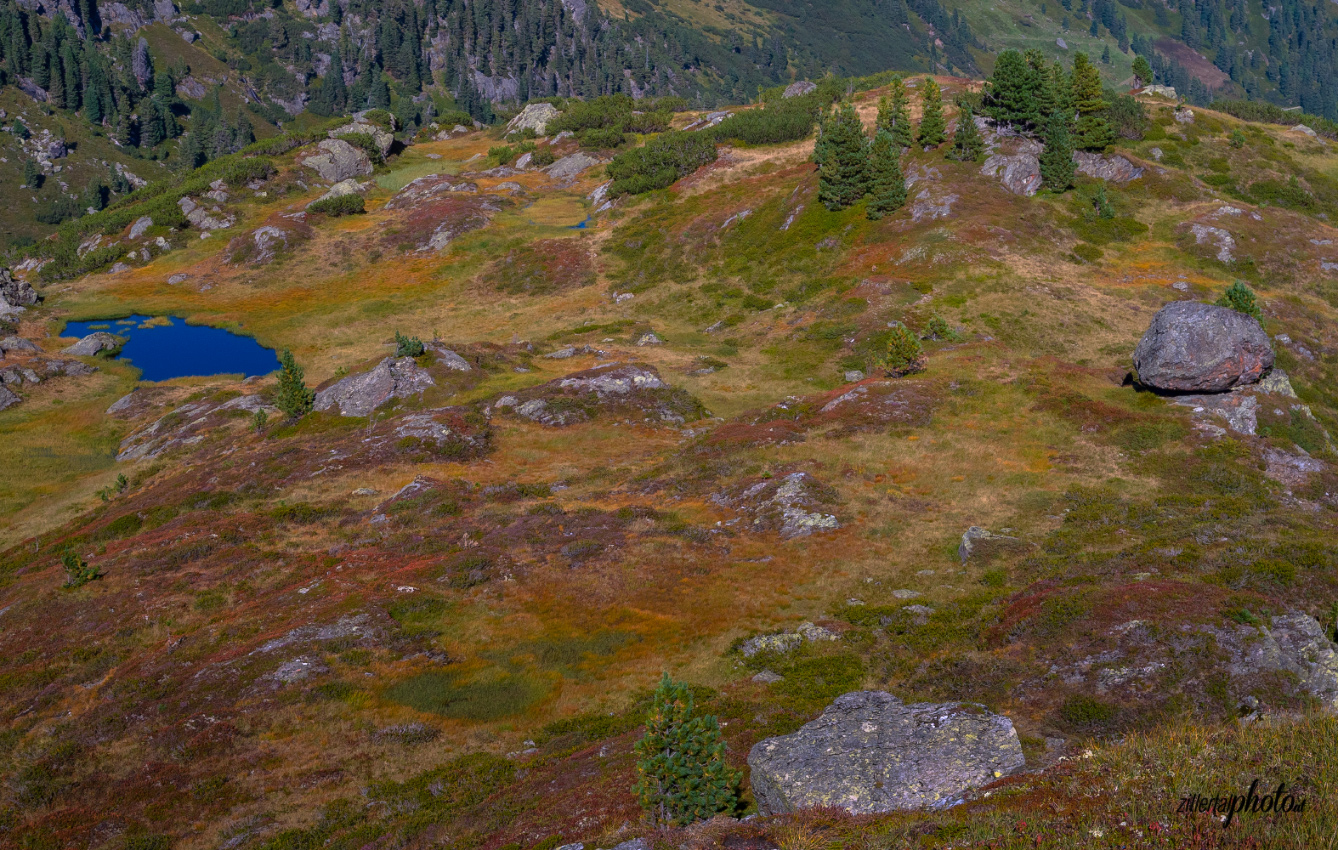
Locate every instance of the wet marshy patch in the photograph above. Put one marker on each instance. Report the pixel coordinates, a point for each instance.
(166, 347)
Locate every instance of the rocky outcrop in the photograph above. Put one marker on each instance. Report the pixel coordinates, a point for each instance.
(431, 187)
(202, 219)
(870, 753)
(1112, 169)
(16, 293)
(1292, 643)
(1019, 173)
(95, 343)
(8, 398)
(800, 88)
(1197, 348)
(977, 541)
(187, 425)
(341, 189)
(568, 168)
(17, 344)
(359, 395)
(794, 505)
(383, 140)
(266, 243)
(535, 116)
(1215, 237)
(335, 160)
(632, 391)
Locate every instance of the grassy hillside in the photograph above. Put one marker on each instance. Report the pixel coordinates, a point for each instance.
(352, 631)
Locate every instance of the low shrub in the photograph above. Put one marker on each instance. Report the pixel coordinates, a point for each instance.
(78, 572)
(408, 346)
(660, 163)
(904, 354)
(775, 123)
(342, 205)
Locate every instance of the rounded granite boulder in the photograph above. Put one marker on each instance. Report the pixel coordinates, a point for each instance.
(1201, 348)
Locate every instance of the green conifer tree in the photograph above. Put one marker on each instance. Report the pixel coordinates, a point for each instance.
(967, 145)
(887, 185)
(843, 177)
(292, 396)
(899, 105)
(1240, 297)
(682, 775)
(1091, 132)
(1142, 72)
(1057, 158)
(1010, 95)
(933, 126)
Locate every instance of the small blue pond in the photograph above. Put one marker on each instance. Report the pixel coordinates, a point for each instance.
(582, 226)
(171, 348)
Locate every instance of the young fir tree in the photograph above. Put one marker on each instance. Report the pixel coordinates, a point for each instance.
(843, 177)
(1011, 95)
(933, 126)
(967, 145)
(897, 120)
(1240, 298)
(682, 775)
(887, 185)
(1057, 158)
(1142, 72)
(292, 396)
(1091, 132)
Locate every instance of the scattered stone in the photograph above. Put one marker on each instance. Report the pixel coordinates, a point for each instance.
(1193, 347)
(906, 593)
(649, 338)
(871, 753)
(781, 644)
(766, 677)
(342, 189)
(1216, 236)
(179, 277)
(298, 669)
(1161, 91)
(1184, 115)
(141, 225)
(17, 343)
(854, 376)
(359, 395)
(1239, 409)
(1295, 644)
(791, 505)
(1156, 154)
(95, 343)
(1291, 470)
(800, 88)
(8, 398)
(200, 217)
(1301, 128)
(443, 356)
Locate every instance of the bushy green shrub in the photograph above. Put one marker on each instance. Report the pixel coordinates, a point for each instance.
(543, 157)
(661, 162)
(775, 123)
(1240, 297)
(1086, 252)
(614, 114)
(938, 328)
(351, 204)
(408, 346)
(502, 154)
(78, 572)
(601, 138)
(682, 776)
(904, 353)
(1256, 110)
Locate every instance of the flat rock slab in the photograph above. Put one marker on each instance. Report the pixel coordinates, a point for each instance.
(94, 343)
(870, 753)
(1201, 348)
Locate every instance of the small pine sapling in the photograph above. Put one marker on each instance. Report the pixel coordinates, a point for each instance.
(292, 395)
(1240, 298)
(904, 354)
(682, 776)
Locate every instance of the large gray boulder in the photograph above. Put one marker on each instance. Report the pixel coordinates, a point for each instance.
(570, 167)
(95, 343)
(383, 140)
(536, 117)
(335, 160)
(16, 293)
(869, 753)
(1201, 348)
(1020, 173)
(800, 88)
(359, 395)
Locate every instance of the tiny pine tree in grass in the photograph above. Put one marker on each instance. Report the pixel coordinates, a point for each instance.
(292, 395)
(904, 355)
(933, 126)
(1057, 158)
(1240, 298)
(682, 775)
(408, 346)
(77, 571)
(843, 176)
(887, 185)
(967, 145)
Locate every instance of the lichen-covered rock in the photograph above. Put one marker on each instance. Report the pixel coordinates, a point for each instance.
(977, 538)
(632, 390)
(16, 293)
(341, 189)
(570, 167)
(784, 642)
(1113, 168)
(201, 218)
(17, 344)
(869, 753)
(8, 398)
(1192, 347)
(535, 116)
(95, 343)
(359, 395)
(384, 141)
(1020, 173)
(1296, 644)
(266, 243)
(800, 88)
(793, 505)
(335, 160)
(186, 425)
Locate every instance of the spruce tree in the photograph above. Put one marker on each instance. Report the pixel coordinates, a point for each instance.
(967, 145)
(1142, 71)
(933, 126)
(292, 396)
(887, 185)
(1057, 158)
(843, 177)
(682, 775)
(899, 100)
(1011, 95)
(1092, 131)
